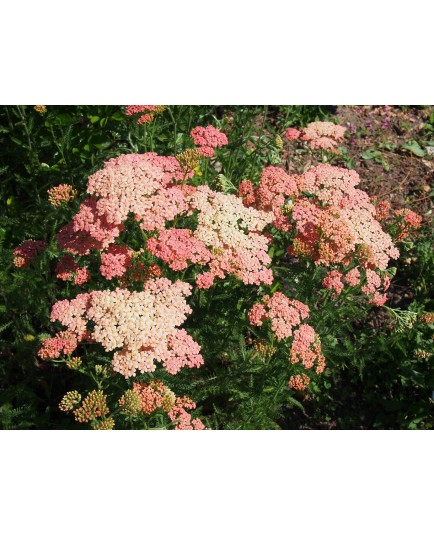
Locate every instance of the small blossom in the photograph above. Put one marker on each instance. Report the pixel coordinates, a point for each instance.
(57, 195)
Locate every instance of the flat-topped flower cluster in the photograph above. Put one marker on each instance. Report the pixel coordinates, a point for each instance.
(141, 327)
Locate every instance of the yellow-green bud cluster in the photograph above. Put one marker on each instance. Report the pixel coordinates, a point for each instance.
(92, 407)
(104, 424)
(278, 142)
(169, 400)
(130, 402)
(74, 363)
(71, 399)
(189, 158)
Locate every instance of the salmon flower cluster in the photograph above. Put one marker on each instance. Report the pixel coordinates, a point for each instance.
(207, 138)
(147, 112)
(319, 135)
(140, 327)
(149, 397)
(58, 195)
(286, 317)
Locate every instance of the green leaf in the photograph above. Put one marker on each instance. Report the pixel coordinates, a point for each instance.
(369, 154)
(414, 147)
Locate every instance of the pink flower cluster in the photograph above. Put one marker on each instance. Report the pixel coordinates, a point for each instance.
(142, 185)
(274, 190)
(148, 117)
(87, 230)
(151, 396)
(156, 395)
(115, 261)
(206, 139)
(232, 232)
(27, 251)
(182, 418)
(339, 223)
(409, 222)
(306, 348)
(333, 281)
(177, 246)
(299, 382)
(284, 314)
(323, 135)
(57, 195)
(292, 134)
(374, 283)
(63, 343)
(140, 326)
(68, 270)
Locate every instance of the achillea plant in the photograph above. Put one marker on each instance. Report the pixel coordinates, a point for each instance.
(165, 263)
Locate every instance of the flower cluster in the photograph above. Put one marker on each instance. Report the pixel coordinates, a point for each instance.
(292, 134)
(181, 418)
(70, 400)
(140, 184)
(147, 398)
(94, 406)
(140, 326)
(115, 261)
(148, 112)
(274, 190)
(323, 135)
(408, 222)
(338, 224)
(151, 397)
(376, 287)
(40, 108)
(67, 269)
(233, 234)
(63, 343)
(206, 139)
(299, 382)
(57, 195)
(306, 348)
(27, 251)
(333, 281)
(285, 314)
(177, 246)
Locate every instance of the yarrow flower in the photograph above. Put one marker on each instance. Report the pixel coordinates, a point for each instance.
(181, 418)
(157, 395)
(140, 326)
(323, 135)
(338, 224)
(231, 232)
(177, 246)
(63, 343)
(306, 347)
(189, 159)
(67, 269)
(115, 261)
(284, 314)
(130, 402)
(333, 281)
(57, 195)
(299, 382)
(41, 108)
(27, 251)
(408, 222)
(206, 139)
(292, 134)
(148, 117)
